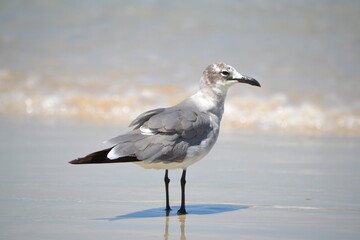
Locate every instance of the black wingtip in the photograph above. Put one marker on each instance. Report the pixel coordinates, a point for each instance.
(84, 160)
(95, 157)
(75, 161)
(101, 157)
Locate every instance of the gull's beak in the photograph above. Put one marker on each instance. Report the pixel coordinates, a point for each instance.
(244, 79)
(248, 80)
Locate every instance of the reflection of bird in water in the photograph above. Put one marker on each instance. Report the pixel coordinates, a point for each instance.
(178, 136)
(182, 220)
(166, 234)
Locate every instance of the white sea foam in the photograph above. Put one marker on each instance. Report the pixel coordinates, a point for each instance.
(43, 96)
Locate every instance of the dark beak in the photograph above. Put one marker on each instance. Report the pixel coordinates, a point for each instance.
(248, 80)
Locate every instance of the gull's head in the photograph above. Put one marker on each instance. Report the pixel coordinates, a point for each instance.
(220, 76)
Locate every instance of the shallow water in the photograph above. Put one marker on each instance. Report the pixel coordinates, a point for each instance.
(118, 59)
(251, 186)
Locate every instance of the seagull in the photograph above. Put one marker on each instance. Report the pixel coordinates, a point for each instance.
(178, 136)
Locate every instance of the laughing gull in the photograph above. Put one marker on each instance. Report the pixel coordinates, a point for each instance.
(178, 136)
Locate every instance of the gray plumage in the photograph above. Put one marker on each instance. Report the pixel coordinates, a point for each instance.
(178, 136)
(171, 131)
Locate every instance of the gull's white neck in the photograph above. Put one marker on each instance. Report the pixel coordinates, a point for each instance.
(210, 100)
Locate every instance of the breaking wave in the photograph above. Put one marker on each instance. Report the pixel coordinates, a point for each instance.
(36, 95)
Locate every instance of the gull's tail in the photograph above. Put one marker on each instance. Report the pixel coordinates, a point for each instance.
(101, 157)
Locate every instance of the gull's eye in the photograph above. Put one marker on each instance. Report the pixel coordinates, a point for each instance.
(225, 73)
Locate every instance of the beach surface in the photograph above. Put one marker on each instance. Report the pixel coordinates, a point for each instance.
(251, 186)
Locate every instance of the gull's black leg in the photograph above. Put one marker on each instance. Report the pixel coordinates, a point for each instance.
(167, 181)
(183, 182)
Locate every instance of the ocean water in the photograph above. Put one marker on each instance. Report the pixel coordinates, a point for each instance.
(110, 60)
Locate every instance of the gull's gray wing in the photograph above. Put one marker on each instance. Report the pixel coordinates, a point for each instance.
(186, 123)
(136, 123)
(162, 135)
(144, 117)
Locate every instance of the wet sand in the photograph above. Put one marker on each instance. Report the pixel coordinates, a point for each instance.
(251, 186)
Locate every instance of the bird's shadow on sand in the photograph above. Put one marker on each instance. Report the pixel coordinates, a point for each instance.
(196, 209)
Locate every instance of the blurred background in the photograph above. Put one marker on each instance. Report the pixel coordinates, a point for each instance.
(107, 61)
